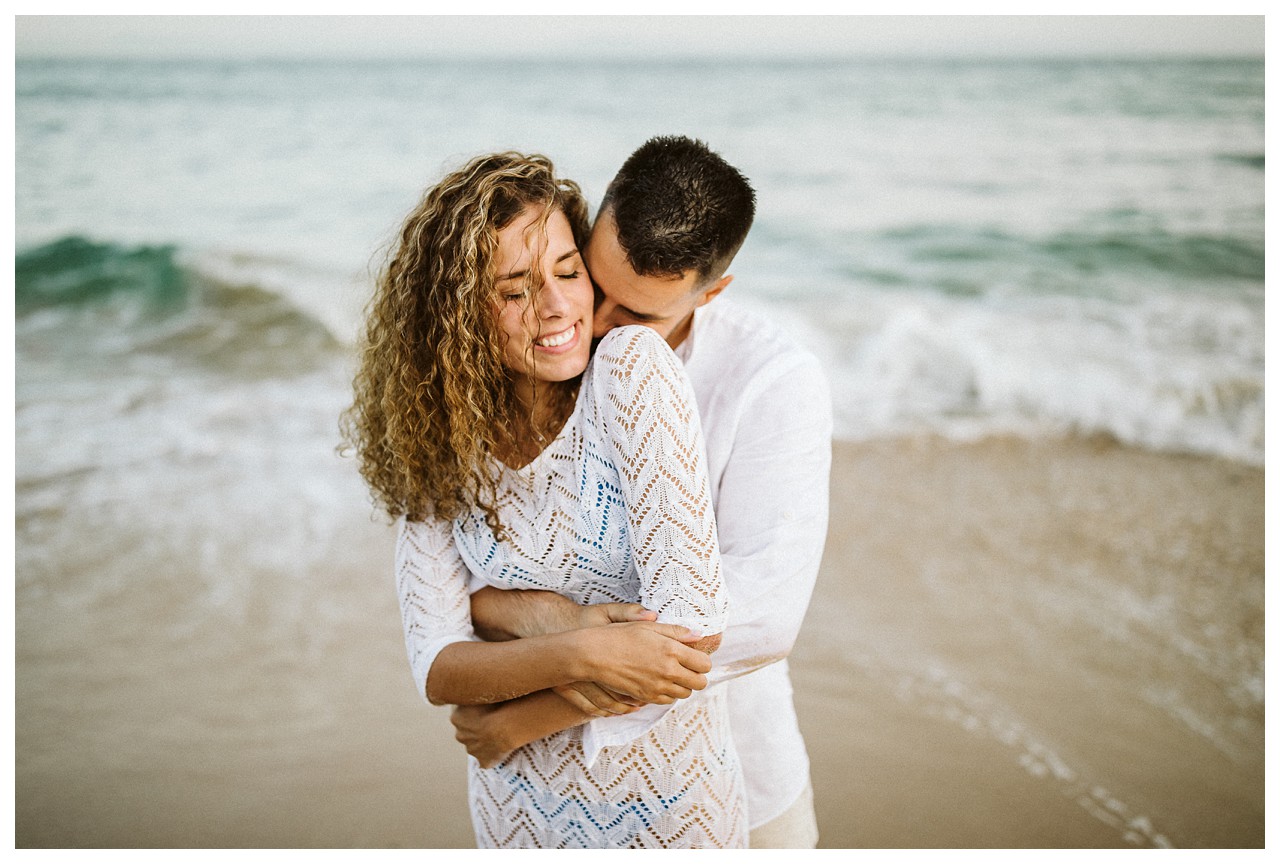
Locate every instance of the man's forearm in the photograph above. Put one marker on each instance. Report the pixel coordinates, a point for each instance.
(499, 616)
(511, 725)
(539, 715)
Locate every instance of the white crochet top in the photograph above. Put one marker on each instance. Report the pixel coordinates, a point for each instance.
(617, 508)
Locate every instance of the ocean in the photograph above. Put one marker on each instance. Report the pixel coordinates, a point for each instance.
(969, 246)
(973, 248)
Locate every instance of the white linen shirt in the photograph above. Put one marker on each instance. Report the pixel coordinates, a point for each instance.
(765, 407)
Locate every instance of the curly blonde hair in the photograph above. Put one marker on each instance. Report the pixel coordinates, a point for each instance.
(433, 398)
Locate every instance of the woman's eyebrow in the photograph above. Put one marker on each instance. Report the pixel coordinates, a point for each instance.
(521, 274)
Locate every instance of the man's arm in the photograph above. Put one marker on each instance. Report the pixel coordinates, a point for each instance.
(644, 658)
(502, 615)
(771, 510)
(499, 615)
(492, 732)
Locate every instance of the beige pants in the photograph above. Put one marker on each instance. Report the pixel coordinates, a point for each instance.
(795, 828)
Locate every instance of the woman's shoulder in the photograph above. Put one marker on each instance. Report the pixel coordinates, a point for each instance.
(635, 362)
(632, 340)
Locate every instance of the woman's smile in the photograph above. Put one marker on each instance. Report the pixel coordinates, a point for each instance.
(560, 342)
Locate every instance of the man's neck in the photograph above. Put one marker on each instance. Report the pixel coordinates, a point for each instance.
(681, 332)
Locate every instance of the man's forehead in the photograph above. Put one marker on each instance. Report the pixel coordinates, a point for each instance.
(615, 275)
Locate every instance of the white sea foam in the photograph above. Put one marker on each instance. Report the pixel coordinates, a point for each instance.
(1170, 372)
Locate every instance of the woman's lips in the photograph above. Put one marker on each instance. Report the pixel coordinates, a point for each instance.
(560, 341)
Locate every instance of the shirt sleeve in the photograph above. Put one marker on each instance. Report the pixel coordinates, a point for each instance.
(649, 418)
(435, 603)
(772, 508)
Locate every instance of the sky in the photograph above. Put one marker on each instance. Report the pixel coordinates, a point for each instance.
(570, 36)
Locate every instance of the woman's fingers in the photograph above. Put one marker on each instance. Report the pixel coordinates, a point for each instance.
(619, 613)
(676, 632)
(648, 661)
(673, 694)
(686, 665)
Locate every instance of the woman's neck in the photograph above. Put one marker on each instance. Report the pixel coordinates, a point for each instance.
(543, 408)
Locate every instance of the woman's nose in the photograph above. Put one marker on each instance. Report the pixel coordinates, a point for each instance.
(552, 300)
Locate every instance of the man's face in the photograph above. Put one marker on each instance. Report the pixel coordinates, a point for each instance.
(623, 296)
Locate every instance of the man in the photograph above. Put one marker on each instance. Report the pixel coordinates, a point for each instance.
(669, 225)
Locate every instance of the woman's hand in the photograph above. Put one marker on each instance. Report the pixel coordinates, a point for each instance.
(644, 660)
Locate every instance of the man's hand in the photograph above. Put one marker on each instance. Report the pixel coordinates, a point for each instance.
(500, 615)
(590, 698)
(482, 738)
(601, 614)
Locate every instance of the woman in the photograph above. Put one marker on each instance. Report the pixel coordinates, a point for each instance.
(475, 422)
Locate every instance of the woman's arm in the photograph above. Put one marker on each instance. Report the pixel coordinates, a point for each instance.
(649, 418)
(647, 421)
(643, 659)
(450, 666)
(643, 420)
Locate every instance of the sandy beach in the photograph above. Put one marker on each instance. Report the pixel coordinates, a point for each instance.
(1054, 644)
(1012, 644)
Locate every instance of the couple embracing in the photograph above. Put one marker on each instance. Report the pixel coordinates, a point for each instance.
(612, 501)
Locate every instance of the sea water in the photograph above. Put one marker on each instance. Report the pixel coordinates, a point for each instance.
(970, 247)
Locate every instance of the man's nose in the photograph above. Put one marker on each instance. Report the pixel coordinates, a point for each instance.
(602, 321)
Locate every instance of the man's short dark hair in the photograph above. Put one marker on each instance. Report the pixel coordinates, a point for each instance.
(678, 207)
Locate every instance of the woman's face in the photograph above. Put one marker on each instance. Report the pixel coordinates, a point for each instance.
(549, 340)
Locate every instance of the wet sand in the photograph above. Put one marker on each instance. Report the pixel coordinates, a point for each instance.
(1012, 644)
(1049, 644)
